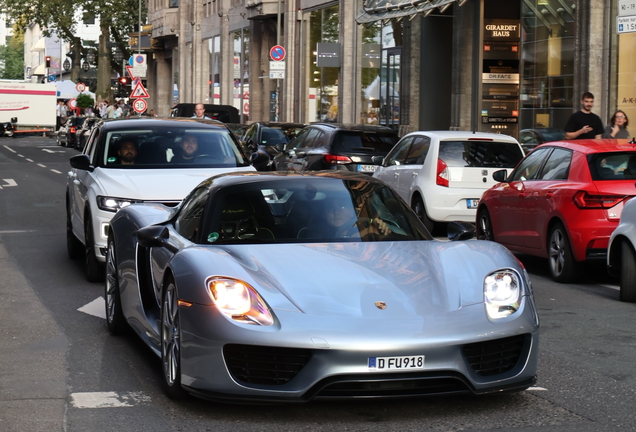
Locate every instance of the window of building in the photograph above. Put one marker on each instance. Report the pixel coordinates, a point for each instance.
(241, 89)
(547, 63)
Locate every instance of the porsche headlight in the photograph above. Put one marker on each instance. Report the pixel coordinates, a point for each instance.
(502, 292)
(113, 204)
(238, 301)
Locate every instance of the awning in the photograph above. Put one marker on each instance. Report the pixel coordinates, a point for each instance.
(40, 70)
(376, 10)
(40, 45)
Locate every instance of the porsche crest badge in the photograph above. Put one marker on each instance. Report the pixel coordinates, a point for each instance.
(380, 305)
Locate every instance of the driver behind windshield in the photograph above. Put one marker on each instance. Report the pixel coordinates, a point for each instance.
(189, 147)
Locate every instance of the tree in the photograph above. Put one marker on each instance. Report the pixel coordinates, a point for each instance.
(12, 57)
(84, 101)
(59, 16)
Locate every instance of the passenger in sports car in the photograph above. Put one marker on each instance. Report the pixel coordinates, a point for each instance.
(127, 152)
(341, 221)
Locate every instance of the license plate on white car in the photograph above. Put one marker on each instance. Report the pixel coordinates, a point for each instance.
(472, 203)
(367, 168)
(396, 363)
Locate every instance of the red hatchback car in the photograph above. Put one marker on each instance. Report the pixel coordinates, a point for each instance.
(561, 202)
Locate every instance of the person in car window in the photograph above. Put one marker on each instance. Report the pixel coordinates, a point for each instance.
(189, 147)
(127, 152)
(341, 221)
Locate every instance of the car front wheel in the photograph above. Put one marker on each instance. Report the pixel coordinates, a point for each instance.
(115, 320)
(628, 273)
(171, 343)
(484, 226)
(562, 265)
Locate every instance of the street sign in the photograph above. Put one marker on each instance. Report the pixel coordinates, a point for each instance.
(52, 78)
(139, 91)
(139, 65)
(626, 7)
(277, 53)
(277, 70)
(626, 24)
(72, 103)
(129, 69)
(80, 87)
(140, 105)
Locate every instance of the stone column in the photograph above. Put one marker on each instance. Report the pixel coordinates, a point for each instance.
(163, 93)
(182, 50)
(347, 96)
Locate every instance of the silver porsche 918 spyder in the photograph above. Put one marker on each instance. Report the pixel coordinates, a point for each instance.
(288, 287)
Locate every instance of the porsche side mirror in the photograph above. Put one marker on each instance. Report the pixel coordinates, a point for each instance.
(82, 162)
(500, 175)
(154, 236)
(458, 230)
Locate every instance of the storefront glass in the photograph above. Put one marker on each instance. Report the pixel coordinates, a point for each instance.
(370, 74)
(547, 64)
(626, 94)
(324, 64)
(215, 70)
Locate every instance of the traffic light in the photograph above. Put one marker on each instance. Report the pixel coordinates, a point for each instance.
(47, 61)
(123, 81)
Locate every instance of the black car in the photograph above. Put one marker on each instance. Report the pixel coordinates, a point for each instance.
(335, 146)
(223, 113)
(83, 133)
(264, 139)
(530, 138)
(66, 134)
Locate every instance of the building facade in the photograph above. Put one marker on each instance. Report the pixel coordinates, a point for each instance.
(487, 65)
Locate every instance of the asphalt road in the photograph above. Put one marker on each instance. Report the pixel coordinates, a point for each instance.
(61, 371)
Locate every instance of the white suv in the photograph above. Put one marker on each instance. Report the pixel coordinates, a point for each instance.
(163, 170)
(442, 174)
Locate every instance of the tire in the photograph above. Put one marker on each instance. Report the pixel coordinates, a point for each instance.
(563, 268)
(73, 246)
(484, 226)
(628, 273)
(94, 269)
(171, 343)
(9, 133)
(115, 321)
(420, 210)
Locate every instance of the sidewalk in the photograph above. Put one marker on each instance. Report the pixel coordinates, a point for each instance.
(33, 369)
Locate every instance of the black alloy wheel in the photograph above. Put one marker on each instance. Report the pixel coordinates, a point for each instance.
(171, 343)
(115, 321)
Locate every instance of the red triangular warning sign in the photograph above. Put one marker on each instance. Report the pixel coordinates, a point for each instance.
(139, 91)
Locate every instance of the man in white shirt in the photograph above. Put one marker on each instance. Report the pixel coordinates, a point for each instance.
(199, 112)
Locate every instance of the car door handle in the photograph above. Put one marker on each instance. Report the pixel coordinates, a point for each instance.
(549, 194)
(522, 194)
(415, 174)
(396, 175)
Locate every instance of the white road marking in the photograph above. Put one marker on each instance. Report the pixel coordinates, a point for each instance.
(16, 231)
(9, 183)
(614, 287)
(537, 389)
(95, 308)
(30, 160)
(56, 171)
(108, 399)
(10, 149)
(20, 155)
(42, 165)
(53, 151)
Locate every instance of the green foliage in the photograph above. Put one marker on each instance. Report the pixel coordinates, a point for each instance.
(12, 58)
(84, 101)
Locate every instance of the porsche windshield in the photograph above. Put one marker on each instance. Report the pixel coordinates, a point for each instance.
(170, 148)
(303, 210)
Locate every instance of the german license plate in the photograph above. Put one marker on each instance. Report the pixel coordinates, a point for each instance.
(396, 363)
(472, 203)
(367, 168)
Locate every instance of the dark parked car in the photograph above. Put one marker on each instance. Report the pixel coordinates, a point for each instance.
(262, 138)
(66, 134)
(83, 133)
(238, 129)
(530, 138)
(223, 113)
(335, 146)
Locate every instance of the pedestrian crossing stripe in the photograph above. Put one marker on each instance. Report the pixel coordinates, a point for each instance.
(108, 399)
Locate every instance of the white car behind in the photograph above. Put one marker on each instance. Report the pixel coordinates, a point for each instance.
(621, 255)
(100, 182)
(442, 174)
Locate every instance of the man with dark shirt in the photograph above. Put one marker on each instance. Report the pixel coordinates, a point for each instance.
(584, 124)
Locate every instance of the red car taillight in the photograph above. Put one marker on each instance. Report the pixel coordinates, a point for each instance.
(337, 160)
(73, 129)
(442, 173)
(584, 200)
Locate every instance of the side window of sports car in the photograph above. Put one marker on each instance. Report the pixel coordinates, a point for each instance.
(189, 219)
